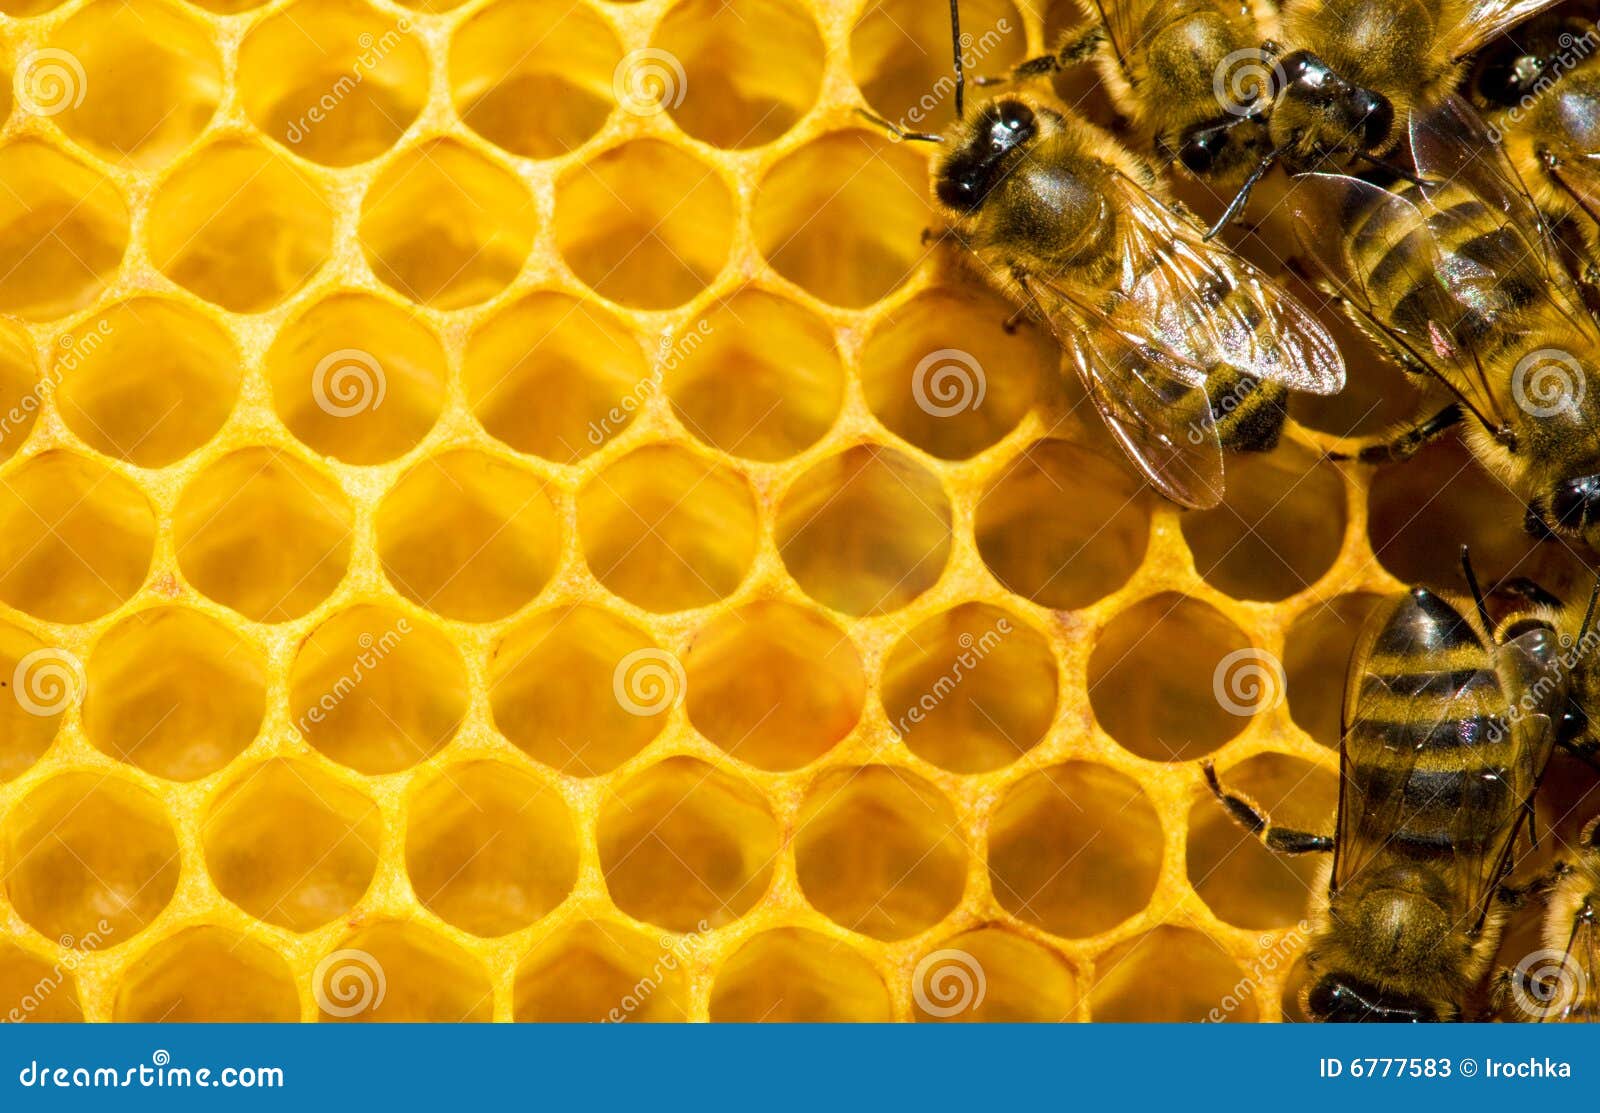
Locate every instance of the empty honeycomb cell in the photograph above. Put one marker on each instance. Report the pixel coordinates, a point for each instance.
(357, 378)
(397, 972)
(377, 690)
(900, 56)
(866, 531)
(993, 975)
(554, 684)
(490, 848)
(89, 859)
(1075, 849)
(756, 376)
(151, 80)
(239, 225)
(685, 846)
(1171, 679)
(1063, 526)
(291, 845)
(842, 216)
(174, 692)
(533, 77)
(38, 682)
(794, 975)
(943, 372)
(148, 381)
(1316, 655)
(334, 81)
(1278, 529)
(468, 536)
(21, 392)
(644, 224)
(774, 684)
(1170, 974)
(748, 72)
(228, 508)
(595, 972)
(668, 529)
(879, 851)
(207, 974)
(63, 231)
(75, 538)
(1240, 880)
(971, 689)
(555, 377)
(32, 989)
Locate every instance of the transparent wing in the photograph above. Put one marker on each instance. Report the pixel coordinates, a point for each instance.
(1484, 19)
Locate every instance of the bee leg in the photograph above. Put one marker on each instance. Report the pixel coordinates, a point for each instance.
(1245, 812)
(1073, 49)
(1409, 441)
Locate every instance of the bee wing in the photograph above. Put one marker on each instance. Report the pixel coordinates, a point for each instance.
(1485, 19)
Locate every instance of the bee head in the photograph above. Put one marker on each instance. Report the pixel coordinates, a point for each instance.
(983, 152)
(1218, 148)
(1318, 111)
(1340, 998)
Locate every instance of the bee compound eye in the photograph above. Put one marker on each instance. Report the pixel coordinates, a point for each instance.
(1576, 502)
(1016, 116)
(1377, 117)
(1199, 152)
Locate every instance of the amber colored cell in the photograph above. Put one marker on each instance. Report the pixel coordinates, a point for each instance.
(1316, 659)
(63, 230)
(32, 989)
(900, 55)
(398, 972)
(993, 975)
(1075, 849)
(596, 972)
(791, 974)
(207, 974)
(20, 396)
(1170, 974)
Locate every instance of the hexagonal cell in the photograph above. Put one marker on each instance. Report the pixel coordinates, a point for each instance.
(942, 371)
(41, 681)
(529, 75)
(489, 848)
(468, 536)
(240, 226)
(151, 80)
(63, 229)
(1242, 881)
(149, 381)
(89, 859)
(774, 684)
(21, 392)
(668, 529)
(900, 56)
(1063, 526)
(1170, 974)
(357, 378)
(228, 508)
(791, 974)
(396, 972)
(75, 538)
(683, 843)
(1172, 679)
(842, 217)
(736, 90)
(972, 689)
(555, 377)
(174, 692)
(32, 989)
(1075, 849)
(207, 974)
(553, 684)
(290, 845)
(1316, 657)
(644, 224)
(446, 227)
(756, 376)
(377, 690)
(595, 972)
(879, 851)
(333, 80)
(992, 974)
(866, 531)
(1278, 530)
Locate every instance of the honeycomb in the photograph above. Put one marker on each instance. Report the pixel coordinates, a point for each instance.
(480, 540)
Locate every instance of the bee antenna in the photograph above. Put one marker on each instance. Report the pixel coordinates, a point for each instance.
(1477, 592)
(896, 130)
(1239, 199)
(1588, 614)
(955, 48)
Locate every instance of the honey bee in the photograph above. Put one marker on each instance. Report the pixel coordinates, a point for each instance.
(1449, 719)
(1183, 347)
